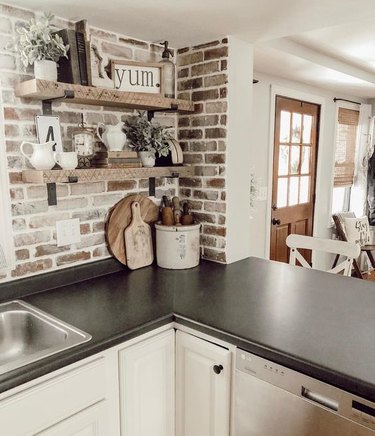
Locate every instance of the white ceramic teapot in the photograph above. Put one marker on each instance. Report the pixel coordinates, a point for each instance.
(113, 137)
(42, 156)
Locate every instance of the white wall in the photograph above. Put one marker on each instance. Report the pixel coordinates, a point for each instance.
(6, 242)
(261, 152)
(240, 77)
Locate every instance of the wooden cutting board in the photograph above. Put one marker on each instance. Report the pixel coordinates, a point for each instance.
(119, 217)
(138, 240)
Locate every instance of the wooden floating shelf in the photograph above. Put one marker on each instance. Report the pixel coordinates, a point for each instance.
(100, 174)
(37, 89)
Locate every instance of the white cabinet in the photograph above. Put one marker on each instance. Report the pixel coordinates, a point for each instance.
(203, 375)
(48, 402)
(90, 422)
(148, 386)
(147, 375)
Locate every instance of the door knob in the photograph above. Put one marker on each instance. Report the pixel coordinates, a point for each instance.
(218, 368)
(276, 222)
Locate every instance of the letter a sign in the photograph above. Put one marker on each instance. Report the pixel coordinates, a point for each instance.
(140, 77)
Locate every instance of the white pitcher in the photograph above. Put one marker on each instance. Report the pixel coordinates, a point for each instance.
(113, 137)
(42, 155)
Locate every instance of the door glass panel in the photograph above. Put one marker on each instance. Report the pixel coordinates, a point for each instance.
(304, 189)
(305, 167)
(284, 126)
(293, 191)
(283, 160)
(306, 135)
(282, 192)
(296, 128)
(294, 159)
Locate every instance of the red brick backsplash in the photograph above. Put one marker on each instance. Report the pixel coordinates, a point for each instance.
(201, 76)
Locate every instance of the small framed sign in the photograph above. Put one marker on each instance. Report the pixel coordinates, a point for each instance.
(48, 129)
(143, 77)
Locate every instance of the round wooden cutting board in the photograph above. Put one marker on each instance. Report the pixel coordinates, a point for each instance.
(119, 217)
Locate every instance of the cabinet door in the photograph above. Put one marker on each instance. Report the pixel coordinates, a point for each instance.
(92, 421)
(202, 395)
(147, 387)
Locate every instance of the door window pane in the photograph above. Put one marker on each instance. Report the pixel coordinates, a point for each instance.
(306, 135)
(282, 192)
(294, 159)
(283, 160)
(293, 191)
(304, 189)
(305, 167)
(284, 126)
(296, 128)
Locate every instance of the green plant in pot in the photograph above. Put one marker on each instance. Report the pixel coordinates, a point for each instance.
(148, 138)
(37, 45)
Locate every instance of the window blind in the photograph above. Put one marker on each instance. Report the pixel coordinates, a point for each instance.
(346, 135)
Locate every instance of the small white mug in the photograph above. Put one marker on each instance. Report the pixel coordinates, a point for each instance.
(67, 160)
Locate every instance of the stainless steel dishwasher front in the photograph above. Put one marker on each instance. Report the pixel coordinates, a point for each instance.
(271, 400)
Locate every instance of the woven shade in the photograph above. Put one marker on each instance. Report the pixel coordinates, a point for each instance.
(346, 136)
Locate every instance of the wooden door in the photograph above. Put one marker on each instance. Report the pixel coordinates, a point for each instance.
(202, 395)
(294, 171)
(147, 388)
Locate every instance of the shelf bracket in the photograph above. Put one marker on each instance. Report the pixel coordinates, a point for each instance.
(51, 194)
(47, 104)
(151, 186)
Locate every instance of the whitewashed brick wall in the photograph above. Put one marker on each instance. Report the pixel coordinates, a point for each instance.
(33, 220)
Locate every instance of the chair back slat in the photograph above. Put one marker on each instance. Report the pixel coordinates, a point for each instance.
(349, 250)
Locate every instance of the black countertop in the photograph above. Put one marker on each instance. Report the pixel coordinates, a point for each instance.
(313, 322)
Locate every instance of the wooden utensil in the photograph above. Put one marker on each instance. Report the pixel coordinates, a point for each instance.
(119, 218)
(138, 240)
(176, 210)
(186, 219)
(167, 216)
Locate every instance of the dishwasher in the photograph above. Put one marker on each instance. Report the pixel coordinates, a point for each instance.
(272, 400)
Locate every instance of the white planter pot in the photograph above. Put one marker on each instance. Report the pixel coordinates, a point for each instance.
(147, 158)
(45, 70)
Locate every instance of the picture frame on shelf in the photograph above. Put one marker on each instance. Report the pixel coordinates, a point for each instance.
(48, 129)
(139, 77)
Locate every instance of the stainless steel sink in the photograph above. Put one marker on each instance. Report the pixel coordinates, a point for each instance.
(28, 334)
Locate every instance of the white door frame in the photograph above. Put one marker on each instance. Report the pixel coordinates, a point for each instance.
(297, 95)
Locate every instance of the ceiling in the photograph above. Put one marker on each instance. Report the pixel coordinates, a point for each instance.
(327, 43)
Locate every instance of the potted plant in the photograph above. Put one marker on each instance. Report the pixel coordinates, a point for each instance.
(148, 138)
(37, 45)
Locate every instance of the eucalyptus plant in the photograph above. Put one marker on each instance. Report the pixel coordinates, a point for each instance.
(35, 41)
(146, 135)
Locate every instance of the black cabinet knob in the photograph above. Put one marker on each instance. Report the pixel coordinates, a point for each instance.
(276, 222)
(218, 369)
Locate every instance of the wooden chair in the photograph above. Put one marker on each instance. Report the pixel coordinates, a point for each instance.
(348, 249)
(340, 229)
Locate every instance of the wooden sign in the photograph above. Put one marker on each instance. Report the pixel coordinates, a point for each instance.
(140, 77)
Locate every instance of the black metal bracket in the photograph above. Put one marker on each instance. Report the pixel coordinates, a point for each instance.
(151, 113)
(47, 104)
(151, 186)
(51, 194)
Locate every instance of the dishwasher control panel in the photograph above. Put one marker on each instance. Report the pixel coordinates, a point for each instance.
(258, 366)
